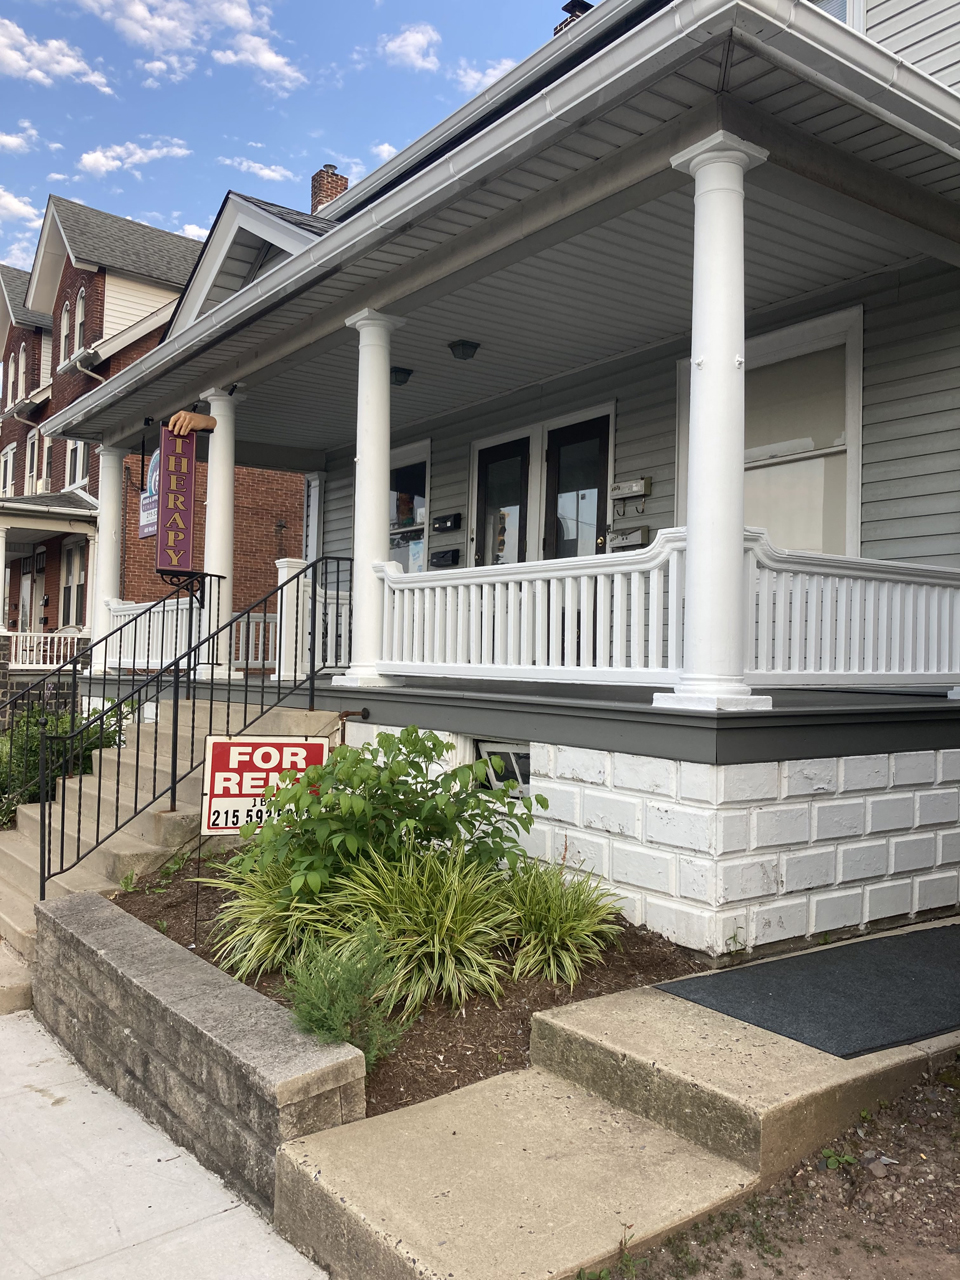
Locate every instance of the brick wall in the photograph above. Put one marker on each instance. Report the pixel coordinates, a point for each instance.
(32, 340)
(69, 386)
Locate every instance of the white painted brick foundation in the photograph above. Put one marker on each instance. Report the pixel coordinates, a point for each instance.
(722, 857)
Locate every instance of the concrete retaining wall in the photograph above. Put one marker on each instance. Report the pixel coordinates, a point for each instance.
(219, 1067)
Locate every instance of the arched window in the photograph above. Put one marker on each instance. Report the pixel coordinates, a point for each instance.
(65, 333)
(81, 317)
(22, 375)
(11, 378)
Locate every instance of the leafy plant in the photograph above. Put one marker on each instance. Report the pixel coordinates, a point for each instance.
(562, 924)
(835, 1160)
(128, 881)
(347, 995)
(380, 799)
(444, 916)
(20, 748)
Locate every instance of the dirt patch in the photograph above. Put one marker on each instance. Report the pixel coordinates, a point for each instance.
(819, 1223)
(441, 1051)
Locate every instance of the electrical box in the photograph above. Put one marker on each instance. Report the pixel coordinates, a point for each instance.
(629, 539)
(445, 559)
(445, 524)
(632, 488)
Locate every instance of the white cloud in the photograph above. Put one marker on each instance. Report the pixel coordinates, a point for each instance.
(127, 155)
(194, 232)
(19, 142)
(21, 253)
(256, 144)
(354, 168)
(384, 151)
(270, 172)
(57, 177)
(45, 61)
(54, 146)
(472, 79)
(414, 47)
(176, 30)
(16, 209)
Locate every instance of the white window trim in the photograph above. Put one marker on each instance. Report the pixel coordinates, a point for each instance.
(82, 480)
(9, 455)
(79, 317)
(402, 456)
(65, 315)
(537, 481)
(76, 542)
(22, 372)
(841, 329)
(30, 480)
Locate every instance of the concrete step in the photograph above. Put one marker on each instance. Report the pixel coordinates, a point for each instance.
(523, 1175)
(154, 825)
(100, 871)
(16, 988)
(138, 770)
(17, 926)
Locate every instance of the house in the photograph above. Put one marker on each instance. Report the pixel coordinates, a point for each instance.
(637, 389)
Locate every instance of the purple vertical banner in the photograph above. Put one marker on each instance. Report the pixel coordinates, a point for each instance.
(178, 468)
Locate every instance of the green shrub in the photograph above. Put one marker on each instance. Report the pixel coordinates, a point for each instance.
(443, 915)
(562, 924)
(380, 799)
(20, 749)
(346, 995)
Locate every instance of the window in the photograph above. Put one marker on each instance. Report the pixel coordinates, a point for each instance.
(408, 506)
(11, 379)
(78, 463)
(7, 458)
(73, 568)
(81, 320)
(65, 333)
(30, 475)
(516, 763)
(22, 374)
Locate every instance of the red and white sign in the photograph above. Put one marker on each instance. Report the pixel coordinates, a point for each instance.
(237, 771)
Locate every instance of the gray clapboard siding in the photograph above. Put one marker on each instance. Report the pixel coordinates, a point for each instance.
(925, 33)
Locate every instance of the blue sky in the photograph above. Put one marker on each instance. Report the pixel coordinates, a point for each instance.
(152, 109)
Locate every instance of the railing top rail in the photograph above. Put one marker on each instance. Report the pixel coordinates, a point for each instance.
(772, 557)
(653, 557)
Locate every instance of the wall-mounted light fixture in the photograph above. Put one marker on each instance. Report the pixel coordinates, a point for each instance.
(400, 377)
(463, 350)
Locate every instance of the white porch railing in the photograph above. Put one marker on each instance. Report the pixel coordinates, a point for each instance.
(170, 631)
(39, 649)
(810, 619)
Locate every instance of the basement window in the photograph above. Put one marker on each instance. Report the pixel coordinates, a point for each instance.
(516, 762)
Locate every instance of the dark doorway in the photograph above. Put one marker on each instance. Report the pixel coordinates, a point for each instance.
(575, 522)
(502, 485)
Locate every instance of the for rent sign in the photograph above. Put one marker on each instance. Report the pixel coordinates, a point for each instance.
(237, 771)
(178, 466)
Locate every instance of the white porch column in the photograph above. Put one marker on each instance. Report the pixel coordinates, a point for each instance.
(218, 527)
(293, 604)
(106, 578)
(371, 502)
(712, 678)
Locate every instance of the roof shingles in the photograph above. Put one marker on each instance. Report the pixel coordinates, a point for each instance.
(120, 244)
(14, 284)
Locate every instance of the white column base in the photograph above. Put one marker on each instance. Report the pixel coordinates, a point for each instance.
(954, 693)
(364, 677)
(712, 702)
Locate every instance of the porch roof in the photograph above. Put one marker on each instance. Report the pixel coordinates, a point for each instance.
(557, 235)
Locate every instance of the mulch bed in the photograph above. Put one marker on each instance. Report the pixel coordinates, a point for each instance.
(441, 1051)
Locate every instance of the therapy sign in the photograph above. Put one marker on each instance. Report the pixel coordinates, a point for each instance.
(175, 491)
(237, 771)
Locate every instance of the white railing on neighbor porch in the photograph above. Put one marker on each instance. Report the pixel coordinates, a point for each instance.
(39, 649)
(172, 630)
(810, 619)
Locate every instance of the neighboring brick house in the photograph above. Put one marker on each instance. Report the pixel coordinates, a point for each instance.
(101, 294)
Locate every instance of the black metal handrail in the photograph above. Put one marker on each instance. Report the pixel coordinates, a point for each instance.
(246, 666)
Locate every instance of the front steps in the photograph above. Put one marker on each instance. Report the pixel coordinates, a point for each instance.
(126, 779)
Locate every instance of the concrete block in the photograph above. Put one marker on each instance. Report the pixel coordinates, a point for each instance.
(606, 811)
(579, 764)
(749, 878)
(630, 906)
(864, 773)
(733, 831)
(698, 782)
(731, 930)
(536, 841)
(838, 819)
(777, 921)
(645, 868)
(581, 852)
(697, 879)
(948, 766)
(913, 853)
(564, 802)
(938, 808)
(542, 760)
(809, 777)
(883, 901)
(680, 827)
(937, 890)
(948, 847)
(862, 861)
(810, 870)
(836, 910)
(645, 773)
(746, 783)
(914, 768)
(781, 825)
(683, 923)
(889, 813)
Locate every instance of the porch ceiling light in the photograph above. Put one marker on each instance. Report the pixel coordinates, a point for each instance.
(463, 350)
(399, 377)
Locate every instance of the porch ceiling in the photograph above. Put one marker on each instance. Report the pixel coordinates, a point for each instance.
(611, 286)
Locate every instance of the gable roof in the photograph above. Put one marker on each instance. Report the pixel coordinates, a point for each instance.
(13, 284)
(124, 245)
(306, 221)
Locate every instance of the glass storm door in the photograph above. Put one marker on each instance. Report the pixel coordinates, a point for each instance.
(408, 514)
(502, 483)
(576, 515)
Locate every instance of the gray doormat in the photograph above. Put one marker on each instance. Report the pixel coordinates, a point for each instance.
(847, 1000)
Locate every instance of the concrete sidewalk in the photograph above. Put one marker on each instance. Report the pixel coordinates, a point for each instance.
(89, 1190)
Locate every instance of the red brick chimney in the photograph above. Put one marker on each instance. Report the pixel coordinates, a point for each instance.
(326, 185)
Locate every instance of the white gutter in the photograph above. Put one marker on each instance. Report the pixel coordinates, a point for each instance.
(108, 347)
(861, 73)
